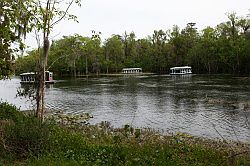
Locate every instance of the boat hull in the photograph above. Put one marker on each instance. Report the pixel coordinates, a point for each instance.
(34, 82)
(180, 73)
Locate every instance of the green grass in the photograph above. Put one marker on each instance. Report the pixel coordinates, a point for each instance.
(25, 141)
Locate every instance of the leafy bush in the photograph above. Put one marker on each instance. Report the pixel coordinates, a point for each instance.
(27, 138)
(10, 112)
(21, 136)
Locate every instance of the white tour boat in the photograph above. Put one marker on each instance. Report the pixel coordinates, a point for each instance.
(132, 70)
(31, 77)
(180, 70)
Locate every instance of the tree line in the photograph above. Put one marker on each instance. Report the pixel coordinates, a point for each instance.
(221, 49)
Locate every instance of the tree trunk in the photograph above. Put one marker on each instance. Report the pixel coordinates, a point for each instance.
(39, 91)
(86, 63)
(107, 70)
(209, 68)
(238, 64)
(115, 64)
(46, 54)
(74, 68)
(41, 80)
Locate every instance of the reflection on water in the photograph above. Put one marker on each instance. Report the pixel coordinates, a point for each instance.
(196, 104)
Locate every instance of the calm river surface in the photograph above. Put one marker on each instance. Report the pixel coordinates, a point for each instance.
(200, 105)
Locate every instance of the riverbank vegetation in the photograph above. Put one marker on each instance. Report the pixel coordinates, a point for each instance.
(221, 49)
(24, 140)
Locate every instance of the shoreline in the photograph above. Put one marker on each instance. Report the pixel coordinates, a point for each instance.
(83, 119)
(108, 75)
(91, 144)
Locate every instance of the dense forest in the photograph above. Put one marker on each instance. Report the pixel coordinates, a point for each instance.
(222, 49)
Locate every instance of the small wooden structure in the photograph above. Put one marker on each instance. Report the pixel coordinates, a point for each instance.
(132, 70)
(181, 70)
(32, 77)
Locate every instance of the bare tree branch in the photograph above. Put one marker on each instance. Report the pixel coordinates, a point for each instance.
(221, 136)
(57, 21)
(56, 61)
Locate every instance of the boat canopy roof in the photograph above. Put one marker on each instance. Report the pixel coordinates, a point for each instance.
(32, 73)
(24, 74)
(132, 69)
(181, 67)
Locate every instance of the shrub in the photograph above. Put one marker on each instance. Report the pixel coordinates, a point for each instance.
(10, 112)
(27, 138)
(23, 136)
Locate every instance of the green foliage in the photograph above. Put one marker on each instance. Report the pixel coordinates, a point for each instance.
(114, 51)
(75, 55)
(27, 63)
(22, 135)
(6, 69)
(10, 112)
(26, 138)
(222, 49)
(15, 22)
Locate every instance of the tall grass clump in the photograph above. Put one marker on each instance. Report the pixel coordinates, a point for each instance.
(21, 136)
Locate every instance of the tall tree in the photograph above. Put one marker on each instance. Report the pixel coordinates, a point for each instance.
(129, 41)
(203, 54)
(144, 53)
(114, 50)
(177, 43)
(159, 43)
(91, 48)
(48, 14)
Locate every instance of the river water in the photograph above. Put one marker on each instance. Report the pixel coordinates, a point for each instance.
(212, 106)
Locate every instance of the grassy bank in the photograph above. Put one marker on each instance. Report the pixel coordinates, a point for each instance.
(25, 141)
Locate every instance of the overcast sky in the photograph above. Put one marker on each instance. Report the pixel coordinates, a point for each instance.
(144, 16)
